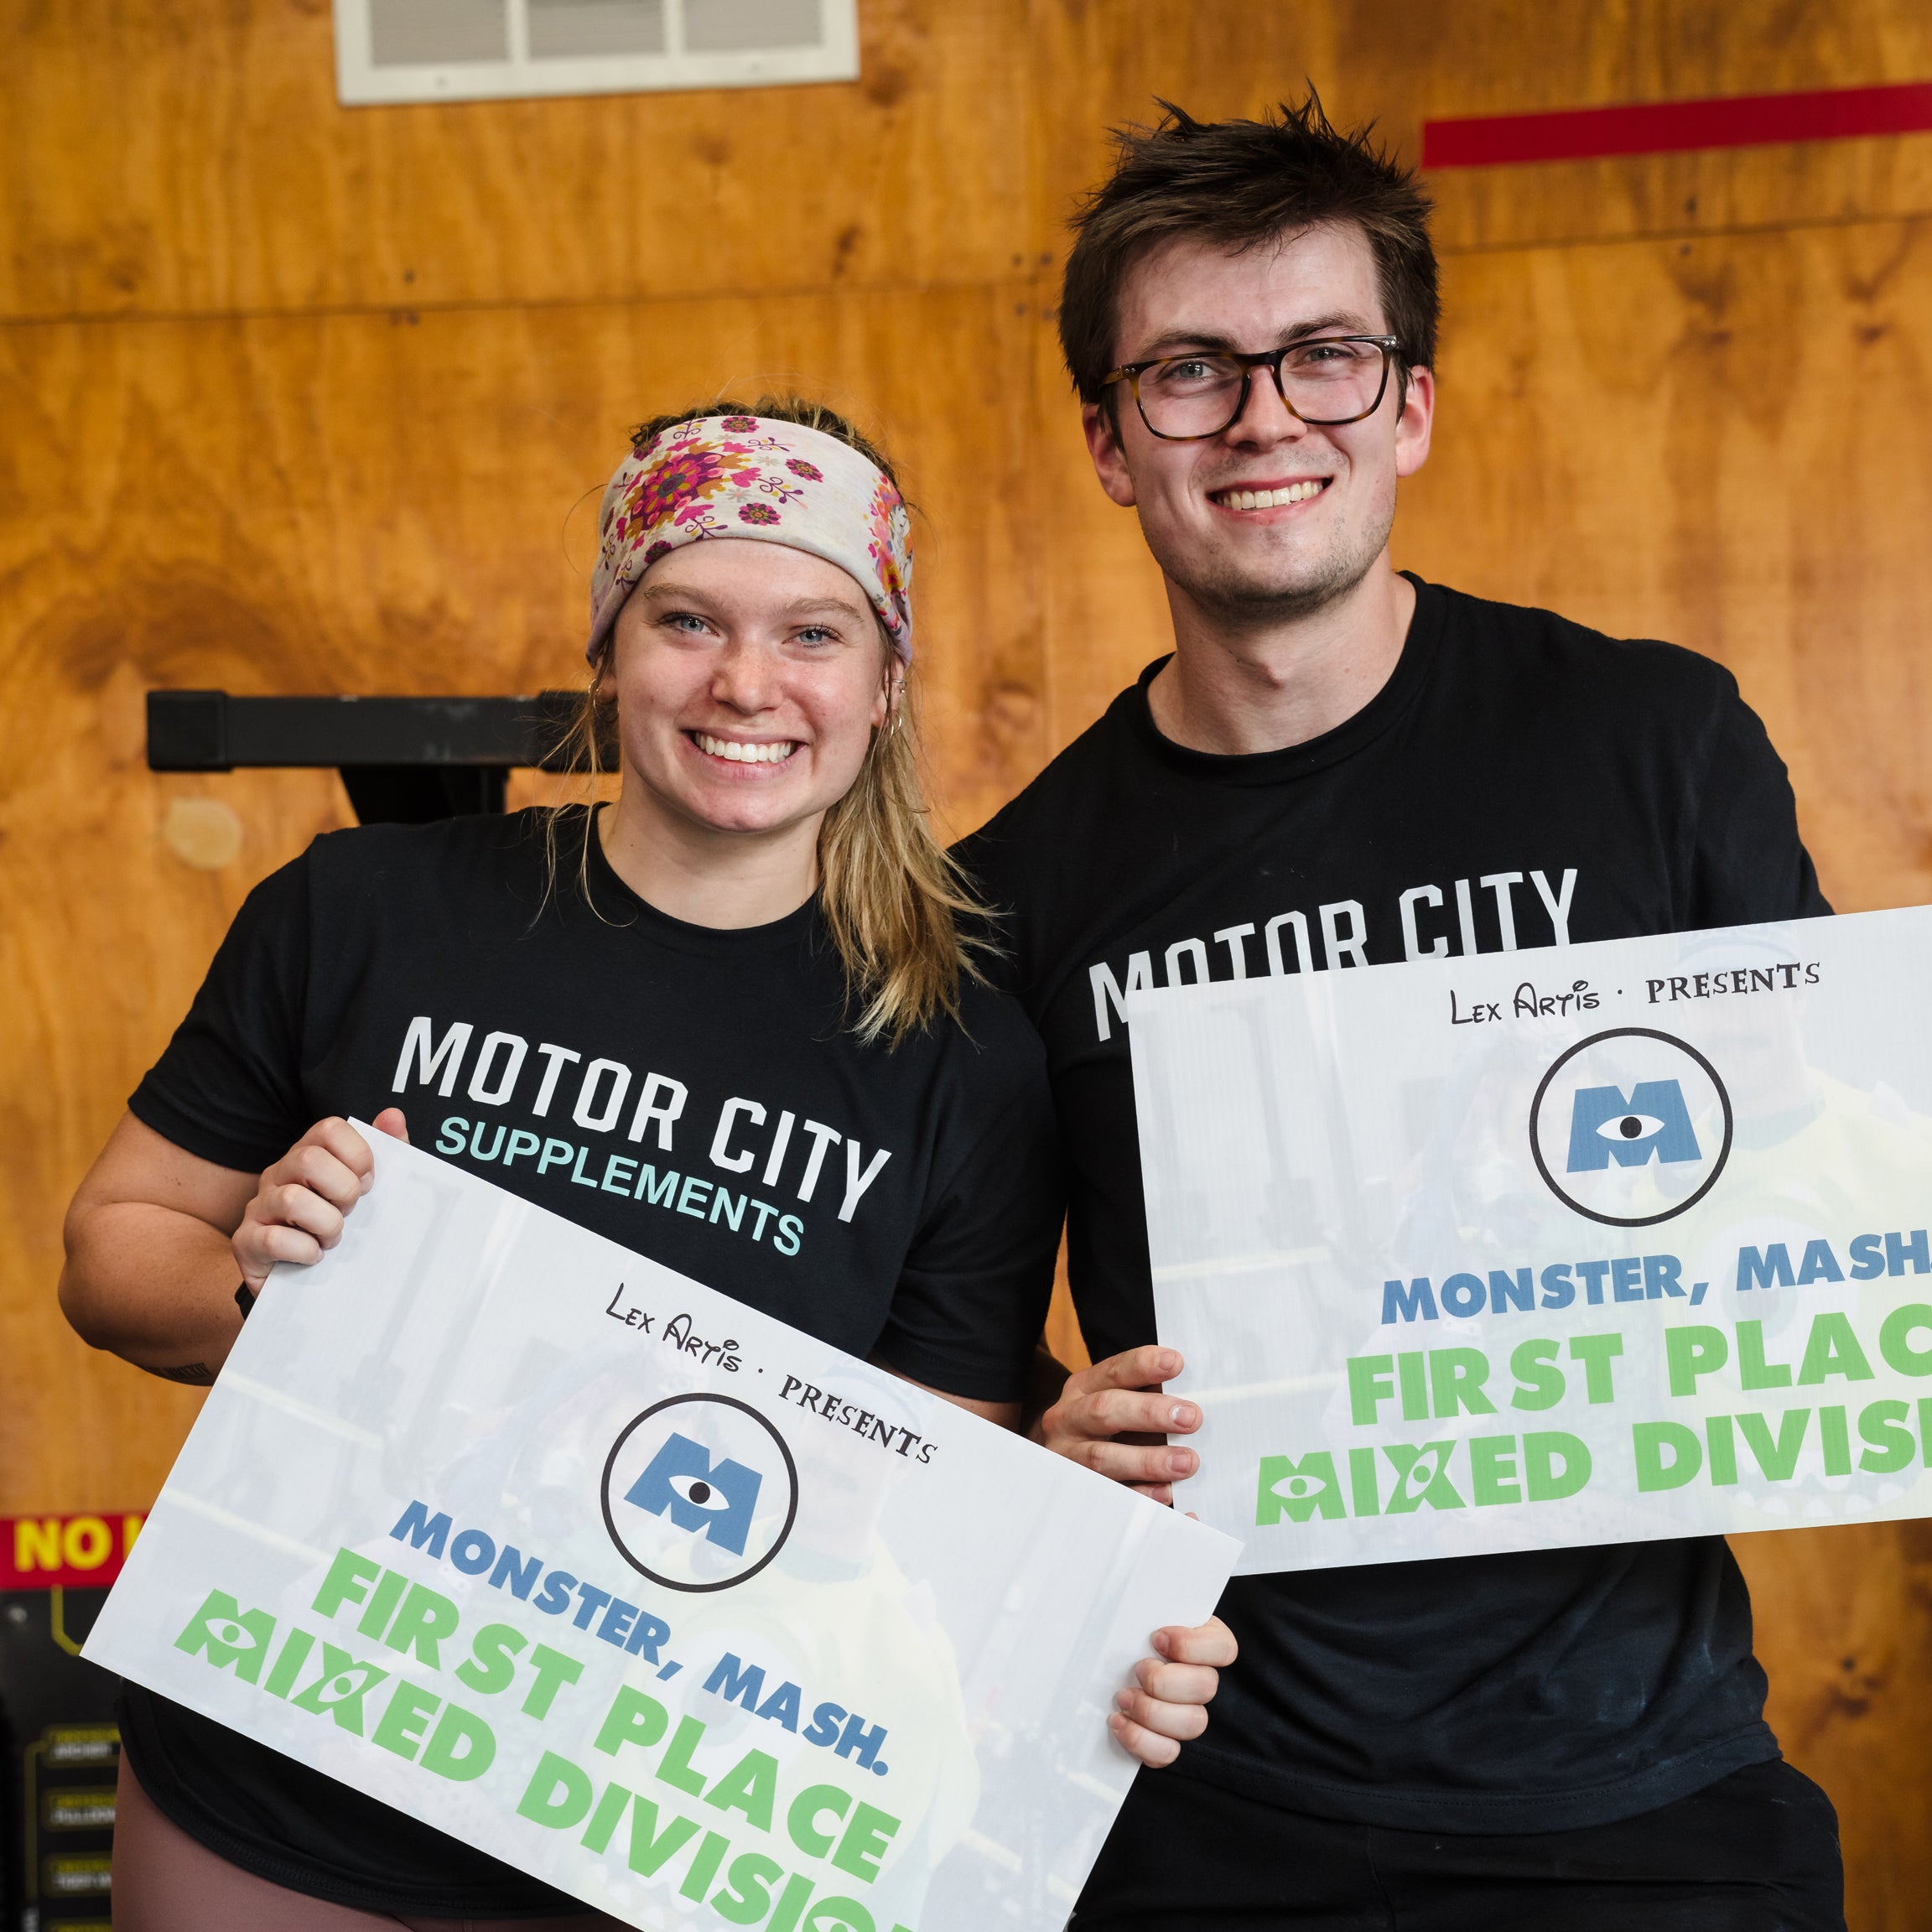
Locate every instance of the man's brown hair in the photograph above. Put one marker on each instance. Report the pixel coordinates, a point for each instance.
(1240, 184)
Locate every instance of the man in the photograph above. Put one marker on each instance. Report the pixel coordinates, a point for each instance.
(1340, 767)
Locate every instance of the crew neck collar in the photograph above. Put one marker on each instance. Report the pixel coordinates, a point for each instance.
(1383, 709)
(615, 900)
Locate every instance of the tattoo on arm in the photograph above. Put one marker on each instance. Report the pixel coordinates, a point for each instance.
(195, 1375)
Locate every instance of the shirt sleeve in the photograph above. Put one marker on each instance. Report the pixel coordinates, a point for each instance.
(1748, 864)
(229, 1087)
(972, 1296)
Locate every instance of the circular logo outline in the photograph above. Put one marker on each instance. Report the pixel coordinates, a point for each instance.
(1621, 1220)
(630, 1428)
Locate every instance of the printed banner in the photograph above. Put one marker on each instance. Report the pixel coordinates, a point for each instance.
(1588, 1245)
(675, 1608)
(80, 1552)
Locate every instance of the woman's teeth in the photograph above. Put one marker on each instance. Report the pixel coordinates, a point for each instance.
(1272, 499)
(739, 754)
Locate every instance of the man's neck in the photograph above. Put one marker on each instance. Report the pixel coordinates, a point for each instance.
(701, 876)
(1236, 688)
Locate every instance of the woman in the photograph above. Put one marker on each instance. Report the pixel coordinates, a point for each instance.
(748, 969)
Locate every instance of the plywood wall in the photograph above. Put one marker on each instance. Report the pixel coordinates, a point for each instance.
(294, 397)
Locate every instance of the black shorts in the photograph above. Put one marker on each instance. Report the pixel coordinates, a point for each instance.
(1757, 1852)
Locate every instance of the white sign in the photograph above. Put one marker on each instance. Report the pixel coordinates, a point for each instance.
(660, 1601)
(1598, 1245)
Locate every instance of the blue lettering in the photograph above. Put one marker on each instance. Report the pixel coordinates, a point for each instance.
(1820, 1265)
(825, 1723)
(422, 1531)
(737, 1683)
(555, 1597)
(511, 1569)
(1898, 1251)
(1768, 1269)
(1417, 1299)
(1510, 1291)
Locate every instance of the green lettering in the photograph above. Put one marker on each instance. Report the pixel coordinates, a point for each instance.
(461, 1747)
(1431, 1461)
(1832, 1349)
(865, 1842)
(425, 1618)
(405, 1718)
(1492, 1471)
(1897, 1349)
(347, 1582)
(1754, 1371)
(1656, 1471)
(675, 1766)
(1457, 1376)
(1597, 1352)
(633, 1718)
(491, 1665)
(1298, 1489)
(1777, 1458)
(1540, 1381)
(750, 1786)
(1371, 1380)
(802, 1820)
(226, 1634)
(554, 1671)
(1692, 1352)
(558, 1794)
(651, 1849)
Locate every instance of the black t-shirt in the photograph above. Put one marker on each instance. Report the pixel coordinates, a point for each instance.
(696, 1094)
(1518, 782)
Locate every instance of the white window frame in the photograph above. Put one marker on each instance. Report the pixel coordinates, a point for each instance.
(361, 83)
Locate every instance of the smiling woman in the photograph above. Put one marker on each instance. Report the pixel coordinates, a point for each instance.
(758, 681)
(749, 994)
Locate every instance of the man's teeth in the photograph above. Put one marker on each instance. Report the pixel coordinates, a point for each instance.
(1272, 499)
(737, 753)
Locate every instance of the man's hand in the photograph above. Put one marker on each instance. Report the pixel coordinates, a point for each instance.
(1168, 1702)
(298, 1210)
(1110, 1418)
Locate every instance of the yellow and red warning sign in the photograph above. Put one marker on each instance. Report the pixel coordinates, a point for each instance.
(80, 1552)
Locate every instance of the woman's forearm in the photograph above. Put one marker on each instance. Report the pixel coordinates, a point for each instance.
(154, 1286)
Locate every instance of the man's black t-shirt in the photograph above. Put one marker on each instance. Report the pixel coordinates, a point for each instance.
(693, 1094)
(1518, 782)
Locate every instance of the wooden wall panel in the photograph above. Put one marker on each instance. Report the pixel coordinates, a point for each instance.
(192, 157)
(296, 396)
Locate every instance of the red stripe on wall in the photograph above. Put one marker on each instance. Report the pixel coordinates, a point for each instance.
(1666, 127)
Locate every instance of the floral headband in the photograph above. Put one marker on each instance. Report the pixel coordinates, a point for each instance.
(751, 476)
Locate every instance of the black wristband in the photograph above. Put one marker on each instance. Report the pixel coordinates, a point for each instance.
(245, 1299)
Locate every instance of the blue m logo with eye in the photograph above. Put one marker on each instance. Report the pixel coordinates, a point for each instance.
(1652, 1123)
(716, 1499)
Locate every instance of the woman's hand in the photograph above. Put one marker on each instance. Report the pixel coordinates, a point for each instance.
(1167, 1704)
(298, 1209)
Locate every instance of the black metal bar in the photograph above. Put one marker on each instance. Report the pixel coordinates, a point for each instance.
(406, 761)
(213, 731)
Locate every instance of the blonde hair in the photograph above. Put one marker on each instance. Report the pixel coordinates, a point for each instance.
(893, 899)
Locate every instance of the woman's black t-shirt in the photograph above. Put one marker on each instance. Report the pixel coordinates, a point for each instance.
(696, 1094)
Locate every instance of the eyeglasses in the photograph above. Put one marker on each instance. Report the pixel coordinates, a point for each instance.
(1326, 381)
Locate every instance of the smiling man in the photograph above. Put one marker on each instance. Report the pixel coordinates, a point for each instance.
(1342, 765)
